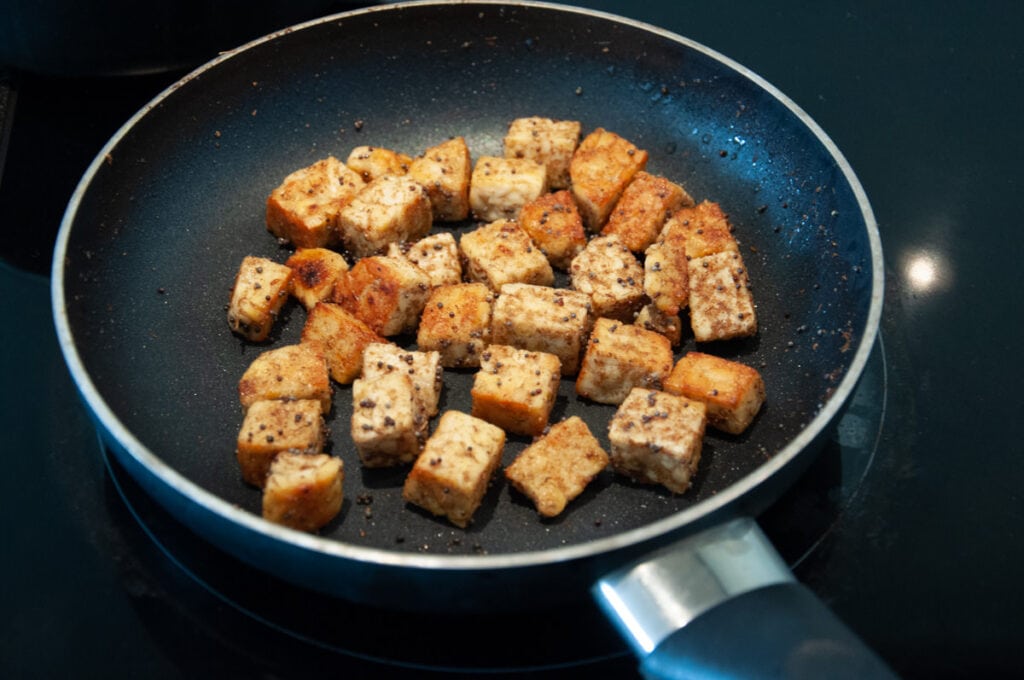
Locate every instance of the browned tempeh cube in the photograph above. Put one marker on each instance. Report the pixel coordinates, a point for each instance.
(611, 275)
(703, 228)
(515, 389)
(437, 255)
(372, 162)
(303, 209)
(341, 337)
(261, 288)
(620, 357)
(600, 170)
(303, 491)
(277, 425)
(555, 226)
(316, 270)
(640, 214)
(444, 170)
(501, 252)
(456, 322)
(386, 293)
(732, 391)
(288, 372)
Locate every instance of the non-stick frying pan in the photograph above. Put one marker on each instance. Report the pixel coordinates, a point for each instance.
(155, 231)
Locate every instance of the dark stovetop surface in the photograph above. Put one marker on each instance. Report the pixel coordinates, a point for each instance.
(909, 525)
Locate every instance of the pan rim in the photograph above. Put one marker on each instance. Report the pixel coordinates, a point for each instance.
(104, 416)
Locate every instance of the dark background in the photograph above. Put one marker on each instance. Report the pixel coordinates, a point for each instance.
(925, 562)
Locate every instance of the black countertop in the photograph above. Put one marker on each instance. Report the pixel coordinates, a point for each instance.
(925, 556)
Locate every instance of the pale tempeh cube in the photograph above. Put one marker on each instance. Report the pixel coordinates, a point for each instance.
(555, 226)
(390, 209)
(456, 322)
(387, 426)
(451, 475)
(546, 141)
(721, 304)
(600, 170)
(666, 277)
(444, 170)
(303, 491)
(611, 275)
(732, 391)
(501, 252)
(288, 372)
(437, 255)
(500, 187)
(277, 425)
(515, 389)
(640, 214)
(543, 319)
(372, 162)
(620, 357)
(303, 210)
(657, 438)
(261, 288)
(386, 293)
(423, 368)
(315, 271)
(557, 467)
(341, 337)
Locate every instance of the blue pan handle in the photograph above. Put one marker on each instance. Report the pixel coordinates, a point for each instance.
(722, 603)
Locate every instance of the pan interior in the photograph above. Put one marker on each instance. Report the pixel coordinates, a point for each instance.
(176, 200)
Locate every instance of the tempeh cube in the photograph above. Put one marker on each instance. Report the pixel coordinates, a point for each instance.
(669, 325)
(423, 368)
(390, 209)
(501, 252)
(387, 426)
(732, 391)
(611, 275)
(657, 438)
(515, 389)
(620, 357)
(444, 170)
(288, 372)
(341, 337)
(558, 466)
(273, 426)
(640, 214)
(600, 170)
(261, 288)
(555, 226)
(543, 319)
(386, 293)
(456, 322)
(315, 271)
(546, 141)
(304, 491)
(666, 277)
(437, 255)
(303, 210)
(451, 475)
(372, 162)
(721, 304)
(703, 229)
(500, 187)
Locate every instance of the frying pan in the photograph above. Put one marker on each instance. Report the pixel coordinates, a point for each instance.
(155, 231)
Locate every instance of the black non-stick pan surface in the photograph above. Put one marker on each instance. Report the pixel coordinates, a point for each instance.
(156, 230)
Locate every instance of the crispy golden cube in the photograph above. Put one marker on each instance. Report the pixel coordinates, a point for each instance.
(287, 372)
(386, 293)
(271, 427)
(501, 252)
(546, 141)
(303, 491)
(315, 271)
(657, 438)
(721, 304)
(666, 276)
(387, 426)
(372, 162)
(303, 210)
(703, 228)
(600, 170)
(341, 337)
(669, 325)
(554, 224)
(620, 357)
(733, 392)
(640, 214)
(543, 319)
(456, 323)
(437, 255)
(611, 275)
(452, 472)
(557, 467)
(500, 187)
(261, 288)
(515, 389)
(390, 209)
(444, 170)
(423, 368)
